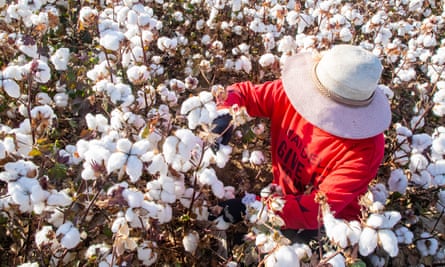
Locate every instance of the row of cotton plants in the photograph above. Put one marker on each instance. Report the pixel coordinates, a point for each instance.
(106, 151)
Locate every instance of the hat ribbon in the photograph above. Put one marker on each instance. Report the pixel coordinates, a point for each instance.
(336, 97)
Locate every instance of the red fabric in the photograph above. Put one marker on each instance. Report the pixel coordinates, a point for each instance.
(307, 160)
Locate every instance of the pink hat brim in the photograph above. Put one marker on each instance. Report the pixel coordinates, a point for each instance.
(327, 114)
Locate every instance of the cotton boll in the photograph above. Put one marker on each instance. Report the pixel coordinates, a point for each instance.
(420, 142)
(29, 50)
(111, 39)
(207, 176)
(116, 161)
(422, 179)
(134, 219)
(437, 170)
(256, 213)
(398, 181)
(376, 220)
(245, 156)
(165, 213)
(257, 157)
(133, 168)
(388, 241)
(284, 256)
(223, 155)
(243, 64)
(169, 148)
(167, 197)
(265, 243)
(138, 74)
(60, 58)
(338, 234)
(427, 245)
(353, 232)
(336, 261)
(189, 104)
(404, 235)
(154, 189)
(61, 99)
(303, 251)
(190, 241)
(438, 143)
(218, 189)
(439, 103)
(44, 238)
(133, 197)
(158, 165)
(391, 218)
(220, 224)
(267, 60)
(59, 198)
(42, 71)
(379, 193)
(11, 88)
(118, 223)
(29, 264)
(368, 241)
(70, 236)
(146, 253)
(57, 217)
(2, 152)
(97, 251)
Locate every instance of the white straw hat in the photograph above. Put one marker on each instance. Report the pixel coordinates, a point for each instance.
(339, 92)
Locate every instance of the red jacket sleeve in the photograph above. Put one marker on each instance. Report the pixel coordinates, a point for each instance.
(258, 99)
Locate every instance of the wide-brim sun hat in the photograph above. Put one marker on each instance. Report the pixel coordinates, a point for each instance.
(339, 93)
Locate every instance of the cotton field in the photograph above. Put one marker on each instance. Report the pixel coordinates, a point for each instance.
(107, 157)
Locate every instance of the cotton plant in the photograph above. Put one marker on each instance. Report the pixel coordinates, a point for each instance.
(340, 232)
(398, 181)
(162, 189)
(119, 93)
(378, 232)
(60, 58)
(288, 255)
(69, 235)
(97, 252)
(127, 158)
(200, 110)
(427, 244)
(146, 252)
(207, 176)
(23, 186)
(178, 149)
(95, 156)
(335, 259)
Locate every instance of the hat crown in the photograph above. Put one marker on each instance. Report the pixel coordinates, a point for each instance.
(350, 72)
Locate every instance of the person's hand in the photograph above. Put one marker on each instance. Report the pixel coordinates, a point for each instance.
(222, 125)
(232, 210)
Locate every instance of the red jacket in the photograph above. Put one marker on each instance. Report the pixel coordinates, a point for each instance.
(304, 156)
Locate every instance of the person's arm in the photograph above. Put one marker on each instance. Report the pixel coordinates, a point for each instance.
(342, 186)
(258, 99)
